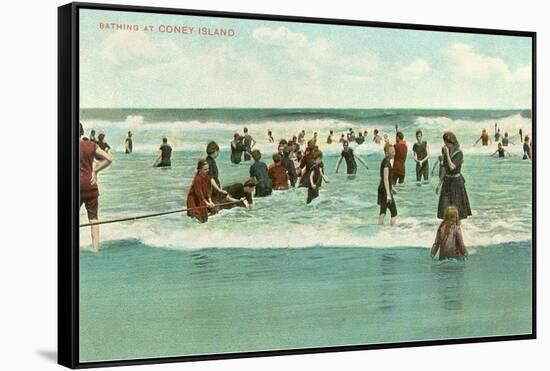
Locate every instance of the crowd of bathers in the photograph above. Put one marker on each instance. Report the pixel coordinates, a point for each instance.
(299, 163)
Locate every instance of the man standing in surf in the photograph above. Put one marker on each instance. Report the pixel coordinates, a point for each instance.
(421, 153)
(89, 191)
(128, 143)
(399, 159)
(385, 188)
(484, 137)
(350, 156)
(165, 155)
(248, 143)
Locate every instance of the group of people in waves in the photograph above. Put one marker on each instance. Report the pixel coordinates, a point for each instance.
(293, 167)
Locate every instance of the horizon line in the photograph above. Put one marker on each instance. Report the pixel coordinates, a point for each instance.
(332, 108)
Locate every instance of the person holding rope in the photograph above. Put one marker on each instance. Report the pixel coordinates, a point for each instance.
(199, 196)
(239, 195)
(212, 152)
(89, 190)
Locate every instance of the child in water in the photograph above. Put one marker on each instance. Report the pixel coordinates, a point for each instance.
(448, 239)
(316, 176)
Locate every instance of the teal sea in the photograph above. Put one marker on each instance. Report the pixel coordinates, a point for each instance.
(287, 275)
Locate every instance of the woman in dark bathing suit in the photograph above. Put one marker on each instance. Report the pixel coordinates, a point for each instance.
(453, 189)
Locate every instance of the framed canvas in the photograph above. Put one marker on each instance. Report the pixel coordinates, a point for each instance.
(238, 185)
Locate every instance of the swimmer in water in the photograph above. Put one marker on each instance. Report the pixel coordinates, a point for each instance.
(102, 143)
(526, 148)
(316, 176)
(248, 144)
(360, 138)
(448, 239)
(484, 137)
(329, 138)
(258, 170)
(165, 154)
(421, 153)
(350, 156)
(128, 143)
(237, 148)
(501, 152)
(289, 165)
(385, 188)
(278, 174)
(506, 140)
(376, 137)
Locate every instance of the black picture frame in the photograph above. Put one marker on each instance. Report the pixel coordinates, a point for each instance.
(68, 182)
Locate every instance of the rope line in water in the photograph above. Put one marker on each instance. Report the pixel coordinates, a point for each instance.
(132, 218)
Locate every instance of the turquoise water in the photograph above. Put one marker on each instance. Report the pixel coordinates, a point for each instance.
(289, 275)
(139, 301)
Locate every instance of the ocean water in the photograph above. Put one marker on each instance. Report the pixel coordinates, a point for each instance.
(287, 275)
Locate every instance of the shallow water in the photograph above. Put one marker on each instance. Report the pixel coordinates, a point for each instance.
(290, 275)
(140, 301)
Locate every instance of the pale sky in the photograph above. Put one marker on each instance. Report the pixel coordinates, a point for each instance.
(288, 65)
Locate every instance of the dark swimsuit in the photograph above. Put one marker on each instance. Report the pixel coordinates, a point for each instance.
(453, 189)
(382, 195)
(237, 152)
(350, 161)
(317, 180)
(264, 187)
(288, 164)
(165, 155)
(421, 153)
